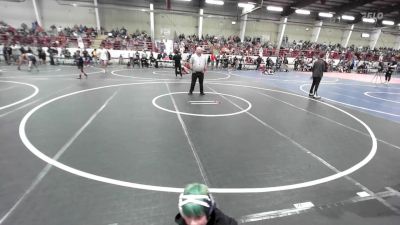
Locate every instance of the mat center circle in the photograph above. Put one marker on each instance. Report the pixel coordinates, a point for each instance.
(204, 103)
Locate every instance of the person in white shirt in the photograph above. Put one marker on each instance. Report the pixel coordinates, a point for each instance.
(104, 58)
(198, 65)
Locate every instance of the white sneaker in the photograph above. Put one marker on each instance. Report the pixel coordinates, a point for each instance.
(311, 94)
(317, 96)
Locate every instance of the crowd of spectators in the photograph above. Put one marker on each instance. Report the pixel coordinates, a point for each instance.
(254, 46)
(36, 36)
(218, 44)
(121, 39)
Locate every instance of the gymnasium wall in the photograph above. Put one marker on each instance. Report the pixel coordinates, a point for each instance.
(263, 29)
(357, 40)
(181, 24)
(298, 32)
(330, 35)
(16, 13)
(220, 26)
(55, 14)
(386, 40)
(131, 20)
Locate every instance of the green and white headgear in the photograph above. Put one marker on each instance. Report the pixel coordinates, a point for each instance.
(196, 201)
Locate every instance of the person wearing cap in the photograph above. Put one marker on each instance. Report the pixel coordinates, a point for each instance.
(197, 207)
(198, 65)
(317, 72)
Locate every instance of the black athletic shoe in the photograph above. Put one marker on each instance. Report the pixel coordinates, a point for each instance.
(202, 94)
(190, 93)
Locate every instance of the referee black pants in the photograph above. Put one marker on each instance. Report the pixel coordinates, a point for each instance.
(178, 69)
(196, 75)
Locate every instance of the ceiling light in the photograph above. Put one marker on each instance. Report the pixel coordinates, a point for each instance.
(302, 11)
(345, 17)
(233, 22)
(74, 4)
(327, 15)
(368, 20)
(388, 22)
(274, 8)
(215, 2)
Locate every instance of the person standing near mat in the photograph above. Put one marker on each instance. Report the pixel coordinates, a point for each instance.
(198, 65)
(79, 62)
(391, 68)
(104, 58)
(178, 67)
(197, 207)
(317, 72)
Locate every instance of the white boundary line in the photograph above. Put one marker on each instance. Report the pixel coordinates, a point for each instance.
(47, 168)
(154, 101)
(87, 175)
(330, 120)
(292, 211)
(395, 192)
(327, 164)
(351, 105)
(32, 102)
(321, 160)
(22, 100)
(192, 147)
(369, 95)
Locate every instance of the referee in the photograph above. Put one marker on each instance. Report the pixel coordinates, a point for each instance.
(198, 65)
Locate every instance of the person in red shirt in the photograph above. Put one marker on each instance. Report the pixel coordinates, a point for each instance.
(213, 59)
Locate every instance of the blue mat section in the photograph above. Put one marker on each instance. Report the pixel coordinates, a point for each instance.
(376, 99)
